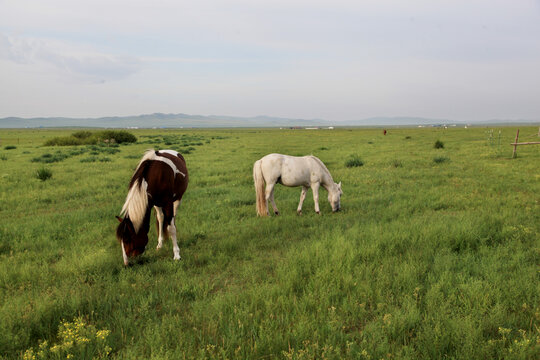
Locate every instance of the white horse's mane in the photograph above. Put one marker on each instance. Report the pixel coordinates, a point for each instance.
(323, 167)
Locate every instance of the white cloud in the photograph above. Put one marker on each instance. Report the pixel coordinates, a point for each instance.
(68, 59)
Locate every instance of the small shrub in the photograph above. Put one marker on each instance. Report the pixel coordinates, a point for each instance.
(83, 134)
(440, 159)
(407, 137)
(119, 136)
(323, 148)
(354, 161)
(44, 174)
(438, 145)
(111, 137)
(3, 157)
(64, 141)
(89, 159)
(10, 147)
(397, 163)
(109, 150)
(105, 159)
(75, 152)
(50, 158)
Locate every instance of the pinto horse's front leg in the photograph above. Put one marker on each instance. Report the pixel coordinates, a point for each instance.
(160, 218)
(168, 213)
(172, 232)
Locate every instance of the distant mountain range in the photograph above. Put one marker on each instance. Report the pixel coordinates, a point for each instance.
(159, 120)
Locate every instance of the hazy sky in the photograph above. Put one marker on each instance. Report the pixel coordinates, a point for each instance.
(337, 60)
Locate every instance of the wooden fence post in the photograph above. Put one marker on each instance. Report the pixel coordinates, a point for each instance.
(515, 144)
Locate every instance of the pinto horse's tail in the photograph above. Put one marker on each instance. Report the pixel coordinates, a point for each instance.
(259, 189)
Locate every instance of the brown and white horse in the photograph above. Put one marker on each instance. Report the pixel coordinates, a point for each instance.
(159, 181)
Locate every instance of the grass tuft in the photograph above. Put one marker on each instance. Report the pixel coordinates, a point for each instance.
(438, 145)
(440, 159)
(43, 174)
(354, 161)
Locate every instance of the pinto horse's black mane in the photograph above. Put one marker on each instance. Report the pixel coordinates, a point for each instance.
(140, 173)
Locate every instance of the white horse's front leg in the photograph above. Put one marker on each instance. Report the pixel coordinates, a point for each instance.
(302, 198)
(172, 232)
(160, 217)
(315, 189)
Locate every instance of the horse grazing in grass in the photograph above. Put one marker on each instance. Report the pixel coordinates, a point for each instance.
(305, 171)
(159, 181)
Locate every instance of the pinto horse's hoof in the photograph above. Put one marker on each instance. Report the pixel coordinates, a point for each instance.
(318, 212)
(276, 212)
(299, 212)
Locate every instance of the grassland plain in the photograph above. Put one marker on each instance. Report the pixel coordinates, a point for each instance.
(429, 259)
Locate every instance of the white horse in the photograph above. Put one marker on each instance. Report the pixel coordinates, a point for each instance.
(305, 171)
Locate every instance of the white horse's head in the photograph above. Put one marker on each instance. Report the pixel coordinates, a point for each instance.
(334, 196)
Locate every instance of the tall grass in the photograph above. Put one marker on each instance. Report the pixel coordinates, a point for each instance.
(423, 261)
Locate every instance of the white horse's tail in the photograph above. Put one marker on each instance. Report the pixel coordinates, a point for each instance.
(259, 189)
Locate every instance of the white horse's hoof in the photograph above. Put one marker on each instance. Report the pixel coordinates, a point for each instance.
(177, 257)
(318, 212)
(299, 212)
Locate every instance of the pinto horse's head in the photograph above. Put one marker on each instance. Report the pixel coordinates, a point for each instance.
(133, 243)
(334, 197)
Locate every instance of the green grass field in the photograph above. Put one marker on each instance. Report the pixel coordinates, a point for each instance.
(435, 255)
